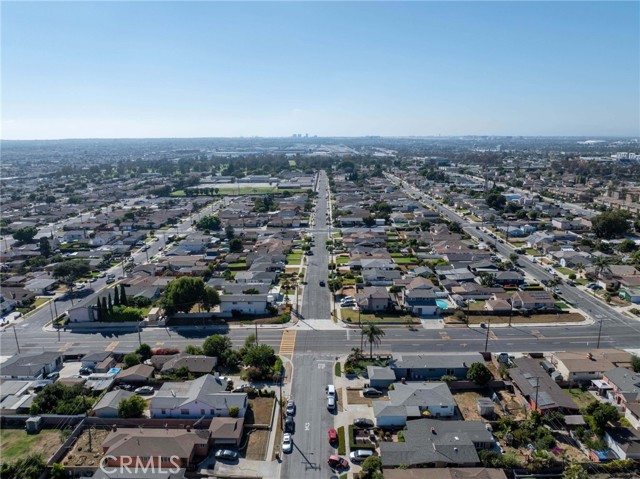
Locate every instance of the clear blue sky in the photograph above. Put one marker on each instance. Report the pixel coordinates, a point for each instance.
(165, 69)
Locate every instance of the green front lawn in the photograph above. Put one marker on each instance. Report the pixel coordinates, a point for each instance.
(562, 305)
(580, 397)
(566, 271)
(409, 260)
(342, 259)
(532, 251)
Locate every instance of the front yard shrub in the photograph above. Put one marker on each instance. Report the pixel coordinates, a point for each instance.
(342, 446)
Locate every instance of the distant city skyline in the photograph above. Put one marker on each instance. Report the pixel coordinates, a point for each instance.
(274, 69)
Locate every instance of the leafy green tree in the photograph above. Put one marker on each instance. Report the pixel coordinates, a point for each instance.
(611, 224)
(99, 314)
(105, 309)
(635, 363)
(116, 296)
(487, 279)
(210, 298)
(31, 467)
(479, 374)
(496, 201)
(229, 232)
(130, 360)
(216, 345)
(45, 247)
(369, 221)
(601, 265)
(144, 351)
(194, 350)
(370, 466)
(209, 222)
(575, 471)
(57, 471)
(26, 234)
(69, 271)
(234, 411)
(373, 333)
(133, 406)
(183, 294)
(109, 303)
(627, 246)
(235, 245)
(599, 415)
(262, 357)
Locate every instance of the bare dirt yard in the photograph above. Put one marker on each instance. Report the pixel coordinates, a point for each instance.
(257, 445)
(81, 454)
(261, 411)
(16, 444)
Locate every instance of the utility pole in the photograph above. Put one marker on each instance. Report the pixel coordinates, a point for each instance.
(486, 341)
(256, 325)
(537, 387)
(139, 337)
(599, 333)
(16, 336)
(510, 311)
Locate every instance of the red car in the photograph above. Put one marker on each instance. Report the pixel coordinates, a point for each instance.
(333, 436)
(337, 462)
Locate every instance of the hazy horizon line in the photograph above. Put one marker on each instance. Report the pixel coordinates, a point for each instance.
(291, 137)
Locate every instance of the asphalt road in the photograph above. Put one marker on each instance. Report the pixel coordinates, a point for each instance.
(312, 372)
(316, 301)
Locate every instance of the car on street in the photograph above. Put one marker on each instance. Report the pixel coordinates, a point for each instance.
(289, 424)
(333, 436)
(111, 280)
(331, 403)
(557, 291)
(322, 283)
(363, 422)
(144, 390)
(291, 408)
(570, 283)
(371, 393)
(337, 462)
(102, 274)
(287, 443)
(226, 454)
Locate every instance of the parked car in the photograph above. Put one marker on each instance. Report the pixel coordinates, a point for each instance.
(337, 462)
(333, 436)
(331, 403)
(363, 422)
(571, 283)
(144, 390)
(371, 393)
(289, 424)
(322, 283)
(85, 371)
(227, 454)
(291, 408)
(242, 388)
(53, 376)
(287, 443)
(360, 455)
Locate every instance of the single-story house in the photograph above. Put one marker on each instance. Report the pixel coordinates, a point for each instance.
(194, 364)
(625, 442)
(414, 400)
(226, 431)
(380, 377)
(138, 374)
(253, 304)
(533, 300)
(30, 366)
(436, 444)
(206, 396)
(107, 406)
(433, 366)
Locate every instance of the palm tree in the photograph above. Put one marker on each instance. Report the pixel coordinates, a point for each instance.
(601, 265)
(373, 333)
(579, 267)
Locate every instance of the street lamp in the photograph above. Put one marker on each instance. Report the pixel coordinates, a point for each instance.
(599, 333)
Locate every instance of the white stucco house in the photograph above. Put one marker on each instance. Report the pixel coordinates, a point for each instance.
(203, 397)
(243, 303)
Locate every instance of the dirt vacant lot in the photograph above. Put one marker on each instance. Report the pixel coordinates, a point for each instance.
(261, 411)
(257, 446)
